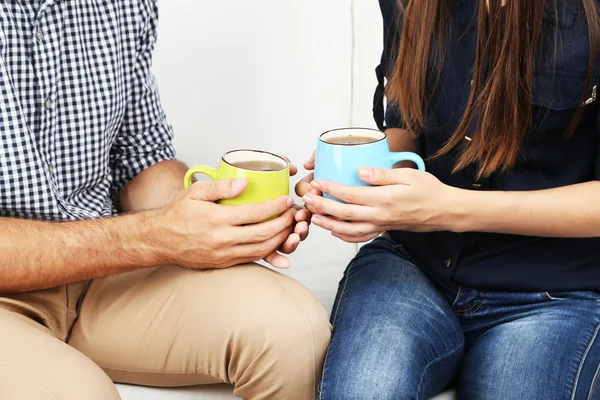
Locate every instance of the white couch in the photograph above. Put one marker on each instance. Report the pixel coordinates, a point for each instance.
(268, 74)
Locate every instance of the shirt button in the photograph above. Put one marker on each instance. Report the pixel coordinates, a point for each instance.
(48, 104)
(448, 263)
(50, 169)
(39, 35)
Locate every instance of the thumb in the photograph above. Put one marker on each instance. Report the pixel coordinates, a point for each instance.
(381, 176)
(310, 164)
(218, 190)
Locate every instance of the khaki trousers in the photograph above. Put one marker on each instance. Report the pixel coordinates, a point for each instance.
(166, 326)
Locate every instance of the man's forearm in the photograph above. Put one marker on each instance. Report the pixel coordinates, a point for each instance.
(38, 255)
(153, 188)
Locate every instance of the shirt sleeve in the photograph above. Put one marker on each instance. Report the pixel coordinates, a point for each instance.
(387, 117)
(145, 137)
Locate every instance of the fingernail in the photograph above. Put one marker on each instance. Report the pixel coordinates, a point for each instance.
(316, 185)
(290, 202)
(316, 220)
(308, 199)
(366, 173)
(238, 184)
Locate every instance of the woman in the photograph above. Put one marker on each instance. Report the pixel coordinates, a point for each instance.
(488, 275)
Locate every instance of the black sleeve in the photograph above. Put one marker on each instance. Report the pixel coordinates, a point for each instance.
(389, 118)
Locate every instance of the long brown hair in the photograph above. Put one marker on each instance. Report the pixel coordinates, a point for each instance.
(499, 109)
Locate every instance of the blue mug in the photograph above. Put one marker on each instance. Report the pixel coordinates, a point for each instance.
(341, 152)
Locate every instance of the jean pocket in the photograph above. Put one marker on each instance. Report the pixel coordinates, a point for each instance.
(564, 296)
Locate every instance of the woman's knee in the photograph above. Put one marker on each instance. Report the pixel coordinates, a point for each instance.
(396, 364)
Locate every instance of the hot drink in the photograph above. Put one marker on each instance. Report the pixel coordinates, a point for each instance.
(351, 140)
(262, 166)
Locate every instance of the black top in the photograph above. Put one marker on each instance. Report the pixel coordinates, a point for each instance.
(548, 160)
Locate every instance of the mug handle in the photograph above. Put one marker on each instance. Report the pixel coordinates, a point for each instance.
(199, 169)
(395, 158)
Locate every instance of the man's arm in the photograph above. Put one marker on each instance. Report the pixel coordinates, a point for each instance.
(192, 231)
(38, 255)
(153, 188)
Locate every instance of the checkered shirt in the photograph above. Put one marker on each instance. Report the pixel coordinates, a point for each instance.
(80, 114)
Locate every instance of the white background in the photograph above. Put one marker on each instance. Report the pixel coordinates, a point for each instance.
(268, 74)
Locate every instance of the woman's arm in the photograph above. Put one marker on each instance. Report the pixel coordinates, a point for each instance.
(410, 200)
(570, 211)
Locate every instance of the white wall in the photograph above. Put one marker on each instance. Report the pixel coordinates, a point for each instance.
(267, 74)
(368, 45)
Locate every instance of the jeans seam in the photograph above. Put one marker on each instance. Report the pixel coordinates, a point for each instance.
(334, 320)
(594, 383)
(474, 308)
(457, 296)
(335, 316)
(437, 360)
(583, 358)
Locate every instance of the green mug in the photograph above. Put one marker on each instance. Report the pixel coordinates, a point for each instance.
(268, 175)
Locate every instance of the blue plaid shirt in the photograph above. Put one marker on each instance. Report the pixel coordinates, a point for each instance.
(80, 114)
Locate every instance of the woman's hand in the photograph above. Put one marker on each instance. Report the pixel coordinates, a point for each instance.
(400, 199)
(304, 186)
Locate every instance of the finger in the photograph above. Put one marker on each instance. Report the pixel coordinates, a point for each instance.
(291, 244)
(386, 177)
(310, 164)
(255, 213)
(293, 168)
(251, 252)
(346, 212)
(261, 232)
(304, 186)
(278, 261)
(352, 229)
(302, 215)
(352, 195)
(302, 229)
(217, 190)
(362, 239)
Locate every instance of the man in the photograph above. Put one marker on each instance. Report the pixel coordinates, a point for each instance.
(80, 126)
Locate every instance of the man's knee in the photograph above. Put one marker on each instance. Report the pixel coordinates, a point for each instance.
(34, 364)
(286, 322)
(79, 382)
(283, 334)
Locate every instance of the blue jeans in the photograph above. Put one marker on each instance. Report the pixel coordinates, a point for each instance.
(399, 336)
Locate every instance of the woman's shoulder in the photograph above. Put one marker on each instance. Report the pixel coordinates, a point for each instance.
(389, 11)
(389, 8)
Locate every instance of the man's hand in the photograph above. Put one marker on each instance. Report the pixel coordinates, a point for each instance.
(299, 232)
(197, 233)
